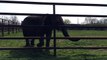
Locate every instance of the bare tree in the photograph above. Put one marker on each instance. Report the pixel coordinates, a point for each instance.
(91, 20)
(67, 21)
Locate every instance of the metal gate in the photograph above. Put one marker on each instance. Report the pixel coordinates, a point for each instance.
(54, 13)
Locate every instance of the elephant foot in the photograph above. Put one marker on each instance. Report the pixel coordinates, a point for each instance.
(40, 44)
(75, 40)
(32, 45)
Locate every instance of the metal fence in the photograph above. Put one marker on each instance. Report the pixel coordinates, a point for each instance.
(54, 13)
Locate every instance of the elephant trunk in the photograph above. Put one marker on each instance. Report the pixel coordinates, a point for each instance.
(65, 33)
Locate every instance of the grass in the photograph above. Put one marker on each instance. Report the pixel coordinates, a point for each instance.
(69, 54)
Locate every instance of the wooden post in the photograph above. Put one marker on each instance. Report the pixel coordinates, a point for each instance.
(12, 27)
(8, 27)
(2, 28)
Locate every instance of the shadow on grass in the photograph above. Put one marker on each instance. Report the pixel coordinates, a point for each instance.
(48, 55)
(34, 55)
(29, 53)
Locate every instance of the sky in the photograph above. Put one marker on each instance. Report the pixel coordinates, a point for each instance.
(47, 9)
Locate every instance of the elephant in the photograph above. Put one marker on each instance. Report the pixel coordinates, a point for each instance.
(45, 20)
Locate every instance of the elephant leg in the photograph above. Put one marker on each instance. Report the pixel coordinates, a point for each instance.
(32, 42)
(41, 41)
(48, 37)
(27, 43)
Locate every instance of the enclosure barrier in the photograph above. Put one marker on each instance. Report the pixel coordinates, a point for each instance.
(54, 4)
(8, 26)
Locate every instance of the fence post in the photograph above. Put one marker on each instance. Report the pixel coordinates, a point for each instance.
(54, 34)
(8, 27)
(15, 28)
(2, 28)
(12, 26)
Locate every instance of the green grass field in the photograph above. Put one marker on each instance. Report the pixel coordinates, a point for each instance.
(69, 54)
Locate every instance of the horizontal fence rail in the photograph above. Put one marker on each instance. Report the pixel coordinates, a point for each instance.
(59, 26)
(73, 15)
(50, 3)
(72, 37)
(28, 48)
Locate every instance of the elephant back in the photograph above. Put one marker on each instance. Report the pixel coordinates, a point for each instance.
(29, 25)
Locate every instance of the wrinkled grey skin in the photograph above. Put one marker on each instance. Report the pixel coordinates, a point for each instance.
(37, 31)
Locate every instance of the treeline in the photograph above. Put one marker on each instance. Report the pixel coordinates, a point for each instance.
(86, 27)
(7, 25)
(95, 20)
(90, 23)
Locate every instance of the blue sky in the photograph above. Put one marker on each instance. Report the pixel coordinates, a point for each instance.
(24, 8)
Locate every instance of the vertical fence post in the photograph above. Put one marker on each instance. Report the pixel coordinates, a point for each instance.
(8, 27)
(2, 29)
(54, 31)
(12, 26)
(16, 27)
